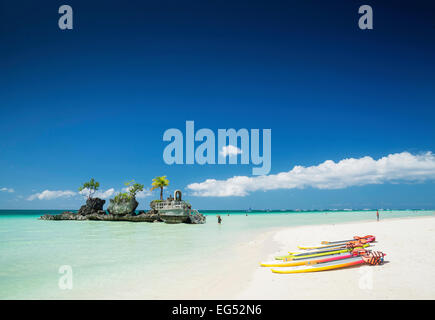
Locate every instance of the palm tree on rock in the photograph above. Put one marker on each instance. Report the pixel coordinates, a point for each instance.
(160, 182)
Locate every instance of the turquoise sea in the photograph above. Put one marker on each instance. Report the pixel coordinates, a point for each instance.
(136, 260)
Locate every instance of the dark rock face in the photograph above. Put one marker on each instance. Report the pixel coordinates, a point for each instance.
(93, 205)
(123, 207)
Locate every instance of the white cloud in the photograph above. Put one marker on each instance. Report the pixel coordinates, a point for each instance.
(140, 195)
(394, 168)
(105, 194)
(50, 195)
(10, 190)
(99, 194)
(230, 151)
(102, 194)
(143, 194)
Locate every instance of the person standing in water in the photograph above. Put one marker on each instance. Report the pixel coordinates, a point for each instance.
(377, 215)
(219, 219)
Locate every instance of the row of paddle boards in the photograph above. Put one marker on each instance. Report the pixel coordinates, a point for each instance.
(327, 256)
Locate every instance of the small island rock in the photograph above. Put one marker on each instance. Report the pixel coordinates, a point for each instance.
(93, 205)
(122, 207)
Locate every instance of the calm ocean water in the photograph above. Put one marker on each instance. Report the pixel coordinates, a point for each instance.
(128, 260)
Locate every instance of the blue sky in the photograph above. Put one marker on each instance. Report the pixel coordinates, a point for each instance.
(94, 101)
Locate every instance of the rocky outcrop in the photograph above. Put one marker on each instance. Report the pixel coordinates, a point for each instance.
(67, 215)
(197, 218)
(150, 216)
(93, 205)
(122, 207)
(122, 211)
(144, 217)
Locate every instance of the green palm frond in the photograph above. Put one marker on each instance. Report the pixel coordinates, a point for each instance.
(159, 182)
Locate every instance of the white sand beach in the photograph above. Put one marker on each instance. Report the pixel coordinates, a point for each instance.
(407, 274)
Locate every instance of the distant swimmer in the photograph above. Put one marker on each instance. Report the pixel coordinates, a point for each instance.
(219, 219)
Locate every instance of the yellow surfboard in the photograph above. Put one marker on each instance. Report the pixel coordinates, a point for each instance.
(321, 266)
